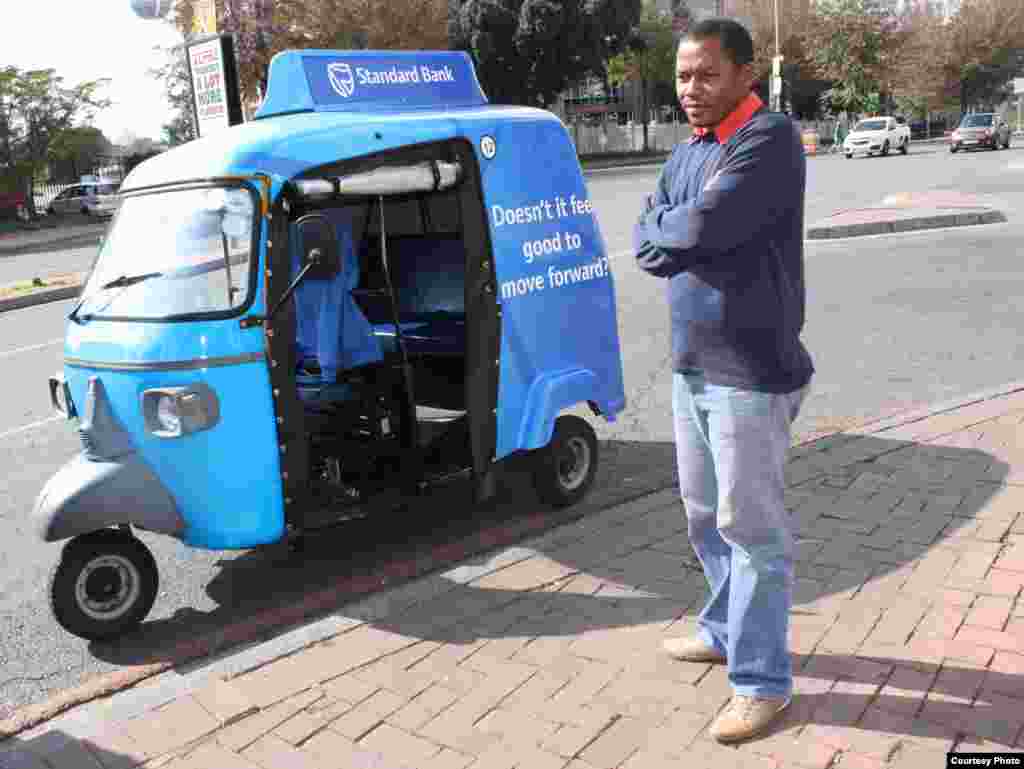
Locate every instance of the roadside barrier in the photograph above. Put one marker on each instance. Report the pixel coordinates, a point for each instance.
(810, 141)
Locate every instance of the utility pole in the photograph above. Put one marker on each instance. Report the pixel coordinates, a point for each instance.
(776, 84)
(1018, 90)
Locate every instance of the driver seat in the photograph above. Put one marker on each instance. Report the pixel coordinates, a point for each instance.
(332, 334)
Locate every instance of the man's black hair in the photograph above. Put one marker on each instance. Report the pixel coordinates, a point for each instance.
(734, 38)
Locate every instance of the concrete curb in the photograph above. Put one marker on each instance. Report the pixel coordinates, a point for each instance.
(909, 224)
(39, 297)
(282, 631)
(623, 163)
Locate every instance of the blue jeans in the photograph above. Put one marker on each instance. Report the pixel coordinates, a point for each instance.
(731, 448)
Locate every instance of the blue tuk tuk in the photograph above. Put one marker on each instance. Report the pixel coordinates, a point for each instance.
(379, 282)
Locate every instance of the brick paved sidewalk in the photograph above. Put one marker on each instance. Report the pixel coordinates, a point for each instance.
(907, 635)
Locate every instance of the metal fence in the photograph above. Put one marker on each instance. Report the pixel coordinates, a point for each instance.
(44, 193)
(919, 129)
(612, 138)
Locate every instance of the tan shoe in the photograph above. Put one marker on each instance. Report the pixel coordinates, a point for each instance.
(746, 717)
(692, 650)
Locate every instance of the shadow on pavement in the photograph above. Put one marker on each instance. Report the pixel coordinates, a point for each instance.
(866, 509)
(978, 708)
(432, 530)
(58, 749)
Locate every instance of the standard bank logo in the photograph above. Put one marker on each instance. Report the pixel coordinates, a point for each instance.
(342, 80)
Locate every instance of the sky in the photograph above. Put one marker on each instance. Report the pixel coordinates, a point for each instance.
(91, 39)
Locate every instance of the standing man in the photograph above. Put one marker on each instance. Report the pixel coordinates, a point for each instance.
(839, 136)
(725, 228)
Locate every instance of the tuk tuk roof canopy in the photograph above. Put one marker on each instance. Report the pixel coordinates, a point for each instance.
(369, 81)
(287, 146)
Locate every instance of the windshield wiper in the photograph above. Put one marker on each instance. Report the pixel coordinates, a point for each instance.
(122, 282)
(126, 280)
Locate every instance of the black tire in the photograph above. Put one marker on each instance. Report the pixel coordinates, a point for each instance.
(85, 212)
(849, 156)
(952, 148)
(565, 469)
(905, 146)
(50, 210)
(99, 563)
(885, 149)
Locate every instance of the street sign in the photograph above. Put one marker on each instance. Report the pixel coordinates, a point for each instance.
(212, 71)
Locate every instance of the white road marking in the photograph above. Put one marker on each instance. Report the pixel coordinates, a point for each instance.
(30, 348)
(33, 426)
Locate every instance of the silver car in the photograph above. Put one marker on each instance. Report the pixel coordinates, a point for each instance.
(87, 199)
(981, 130)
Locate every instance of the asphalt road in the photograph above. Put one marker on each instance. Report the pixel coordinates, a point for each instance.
(15, 268)
(892, 322)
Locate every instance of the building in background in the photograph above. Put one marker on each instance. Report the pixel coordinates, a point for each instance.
(701, 9)
(943, 9)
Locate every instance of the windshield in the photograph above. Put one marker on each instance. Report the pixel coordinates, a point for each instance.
(976, 121)
(173, 253)
(870, 125)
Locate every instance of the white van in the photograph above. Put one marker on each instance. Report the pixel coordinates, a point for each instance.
(91, 199)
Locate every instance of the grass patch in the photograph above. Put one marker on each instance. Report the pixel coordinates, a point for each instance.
(21, 288)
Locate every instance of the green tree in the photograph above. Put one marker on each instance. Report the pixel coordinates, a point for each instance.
(850, 47)
(262, 28)
(173, 73)
(77, 151)
(982, 45)
(651, 53)
(649, 60)
(918, 74)
(36, 109)
(529, 51)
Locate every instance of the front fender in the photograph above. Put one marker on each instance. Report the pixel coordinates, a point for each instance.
(88, 494)
(549, 394)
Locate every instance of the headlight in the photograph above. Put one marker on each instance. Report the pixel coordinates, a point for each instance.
(60, 396)
(170, 412)
(167, 414)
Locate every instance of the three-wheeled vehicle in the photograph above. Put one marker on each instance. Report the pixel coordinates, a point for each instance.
(380, 281)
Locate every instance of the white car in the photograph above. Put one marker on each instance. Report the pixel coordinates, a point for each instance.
(878, 135)
(88, 199)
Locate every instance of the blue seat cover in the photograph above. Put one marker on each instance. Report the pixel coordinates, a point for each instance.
(435, 337)
(330, 327)
(429, 275)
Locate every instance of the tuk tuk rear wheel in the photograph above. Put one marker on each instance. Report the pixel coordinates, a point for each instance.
(104, 585)
(565, 469)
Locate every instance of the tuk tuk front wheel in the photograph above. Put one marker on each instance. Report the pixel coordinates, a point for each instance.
(104, 585)
(565, 469)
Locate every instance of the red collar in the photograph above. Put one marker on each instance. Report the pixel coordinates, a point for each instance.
(733, 121)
